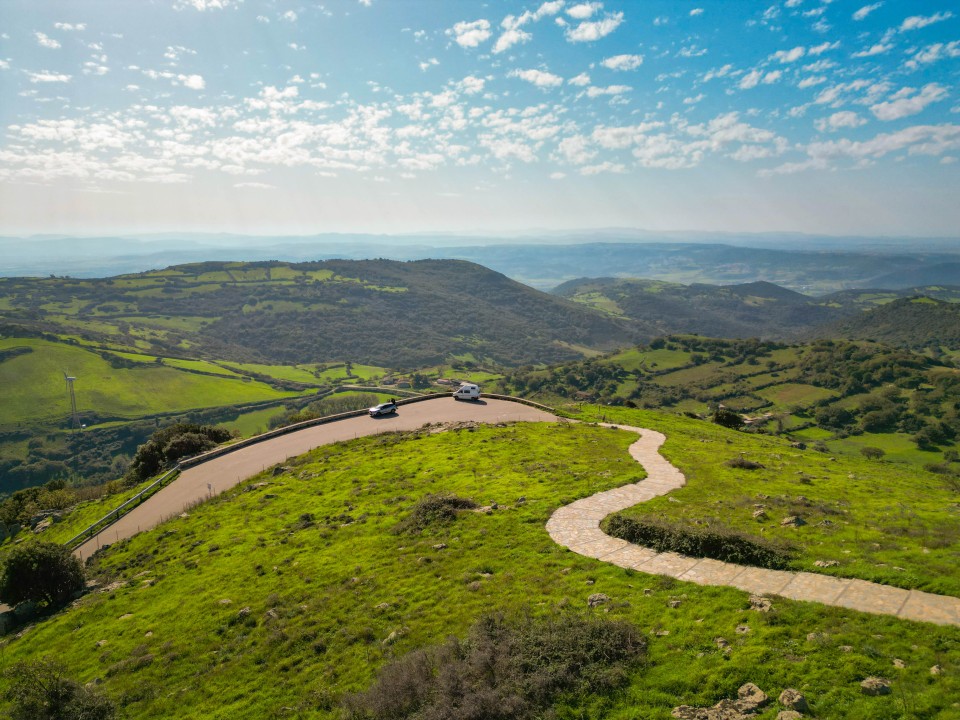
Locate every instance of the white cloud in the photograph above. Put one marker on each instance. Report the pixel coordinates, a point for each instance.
(289, 16)
(605, 166)
(916, 22)
(717, 73)
(202, 5)
(772, 77)
(537, 77)
(878, 49)
(427, 64)
(866, 10)
(694, 99)
(623, 62)
(933, 53)
(576, 150)
(908, 101)
(823, 47)
(811, 81)
(557, 175)
(365, 3)
(471, 85)
(470, 34)
(696, 11)
(691, 51)
(5, 65)
(45, 76)
(789, 56)
(257, 185)
(590, 31)
(551, 7)
(47, 42)
(70, 27)
(839, 120)
(582, 79)
(194, 82)
(509, 38)
(750, 80)
(609, 90)
(583, 11)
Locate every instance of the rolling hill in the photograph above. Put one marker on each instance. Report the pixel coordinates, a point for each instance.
(380, 312)
(920, 323)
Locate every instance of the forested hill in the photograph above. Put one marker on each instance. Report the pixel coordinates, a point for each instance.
(919, 323)
(382, 312)
(758, 309)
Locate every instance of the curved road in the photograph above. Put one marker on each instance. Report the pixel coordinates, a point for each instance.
(213, 477)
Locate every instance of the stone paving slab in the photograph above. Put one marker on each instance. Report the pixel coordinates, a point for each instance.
(816, 588)
(931, 608)
(712, 572)
(873, 598)
(577, 526)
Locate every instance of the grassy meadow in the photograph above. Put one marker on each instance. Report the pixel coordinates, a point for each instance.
(280, 596)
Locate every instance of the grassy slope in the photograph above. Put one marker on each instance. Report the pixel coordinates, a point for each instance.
(33, 386)
(323, 599)
(880, 516)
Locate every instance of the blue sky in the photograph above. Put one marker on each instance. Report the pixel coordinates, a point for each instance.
(396, 116)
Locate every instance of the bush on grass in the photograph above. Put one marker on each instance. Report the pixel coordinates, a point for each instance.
(504, 669)
(40, 690)
(430, 510)
(43, 572)
(713, 542)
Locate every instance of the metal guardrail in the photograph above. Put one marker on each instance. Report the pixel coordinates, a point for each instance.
(114, 515)
(118, 512)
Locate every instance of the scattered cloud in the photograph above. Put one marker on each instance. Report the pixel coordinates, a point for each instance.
(915, 22)
(907, 101)
(609, 90)
(509, 38)
(866, 10)
(470, 34)
(789, 56)
(427, 64)
(45, 76)
(623, 62)
(47, 42)
(582, 79)
(839, 120)
(202, 5)
(588, 31)
(70, 27)
(582, 11)
(933, 53)
(194, 82)
(289, 16)
(878, 49)
(823, 47)
(539, 78)
(696, 11)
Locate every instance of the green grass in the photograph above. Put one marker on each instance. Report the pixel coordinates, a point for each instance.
(323, 598)
(789, 394)
(872, 517)
(32, 387)
(253, 422)
(657, 360)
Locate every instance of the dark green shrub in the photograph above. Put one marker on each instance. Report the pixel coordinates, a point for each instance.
(40, 690)
(167, 445)
(713, 542)
(509, 669)
(433, 509)
(743, 464)
(42, 572)
(727, 418)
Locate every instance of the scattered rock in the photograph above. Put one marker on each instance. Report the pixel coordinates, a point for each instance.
(751, 696)
(279, 470)
(794, 700)
(826, 563)
(383, 606)
(184, 515)
(244, 611)
(394, 636)
(589, 582)
(899, 664)
(440, 546)
(722, 643)
(43, 525)
(662, 633)
(789, 715)
(759, 514)
(101, 643)
(760, 603)
(224, 601)
(598, 599)
(565, 571)
(125, 616)
(875, 686)
(793, 521)
(674, 603)
(846, 648)
(798, 445)
(647, 591)
(936, 670)
(816, 637)
(742, 629)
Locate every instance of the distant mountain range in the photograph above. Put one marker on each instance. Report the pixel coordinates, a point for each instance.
(541, 259)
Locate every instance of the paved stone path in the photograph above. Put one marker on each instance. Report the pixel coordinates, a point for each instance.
(577, 526)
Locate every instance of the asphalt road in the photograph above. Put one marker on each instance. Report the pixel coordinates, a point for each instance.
(214, 477)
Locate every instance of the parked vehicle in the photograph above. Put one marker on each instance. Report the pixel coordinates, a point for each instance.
(467, 391)
(386, 408)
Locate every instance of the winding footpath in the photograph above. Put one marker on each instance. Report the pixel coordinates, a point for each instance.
(577, 527)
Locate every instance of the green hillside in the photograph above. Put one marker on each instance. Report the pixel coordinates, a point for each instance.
(377, 312)
(920, 323)
(281, 597)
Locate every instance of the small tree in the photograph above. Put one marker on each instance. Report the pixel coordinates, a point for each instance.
(40, 690)
(872, 453)
(43, 572)
(727, 418)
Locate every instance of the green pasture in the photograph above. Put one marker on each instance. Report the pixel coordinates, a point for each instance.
(32, 386)
(791, 394)
(650, 360)
(280, 596)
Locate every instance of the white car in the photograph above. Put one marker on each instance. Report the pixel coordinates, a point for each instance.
(467, 391)
(383, 409)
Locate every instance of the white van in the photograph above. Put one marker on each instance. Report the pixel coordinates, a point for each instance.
(467, 391)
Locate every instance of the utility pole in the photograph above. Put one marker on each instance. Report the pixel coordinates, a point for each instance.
(74, 418)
